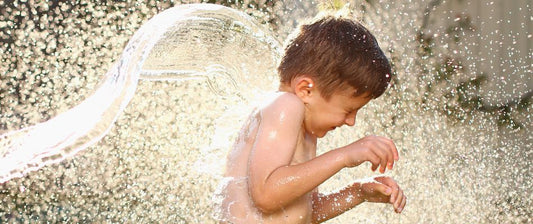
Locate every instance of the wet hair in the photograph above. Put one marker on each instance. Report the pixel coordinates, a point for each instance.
(337, 52)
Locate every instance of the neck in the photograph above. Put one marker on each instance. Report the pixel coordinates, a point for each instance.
(285, 88)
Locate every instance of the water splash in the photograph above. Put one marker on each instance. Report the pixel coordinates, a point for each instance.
(174, 49)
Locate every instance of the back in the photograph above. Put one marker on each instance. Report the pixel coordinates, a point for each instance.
(233, 202)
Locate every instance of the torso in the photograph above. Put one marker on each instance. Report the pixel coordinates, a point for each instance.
(235, 204)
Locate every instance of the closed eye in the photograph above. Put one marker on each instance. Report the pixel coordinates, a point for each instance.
(349, 111)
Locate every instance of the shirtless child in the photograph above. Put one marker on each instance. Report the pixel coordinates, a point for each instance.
(330, 70)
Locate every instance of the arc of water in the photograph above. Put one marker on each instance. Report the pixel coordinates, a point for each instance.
(31, 148)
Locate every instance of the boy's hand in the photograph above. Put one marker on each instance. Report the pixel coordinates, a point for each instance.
(385, 190)
(379, 151)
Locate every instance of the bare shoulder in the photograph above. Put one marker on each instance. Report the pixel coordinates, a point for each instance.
(284, 104)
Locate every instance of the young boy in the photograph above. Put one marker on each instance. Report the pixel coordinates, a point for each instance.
(330, 70)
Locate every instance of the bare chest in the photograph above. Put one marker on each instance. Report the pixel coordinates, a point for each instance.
(305, 149)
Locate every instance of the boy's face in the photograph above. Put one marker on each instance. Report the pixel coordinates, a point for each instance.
(324, 115)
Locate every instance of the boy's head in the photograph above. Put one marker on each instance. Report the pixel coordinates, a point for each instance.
(337, 53)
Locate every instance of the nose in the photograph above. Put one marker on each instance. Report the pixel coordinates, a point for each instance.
(350, 120)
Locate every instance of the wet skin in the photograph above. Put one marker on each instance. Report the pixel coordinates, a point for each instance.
(275, 161)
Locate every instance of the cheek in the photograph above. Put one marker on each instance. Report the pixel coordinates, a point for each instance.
(332, 120)
(338, 118)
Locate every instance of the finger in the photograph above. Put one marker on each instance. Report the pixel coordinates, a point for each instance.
(402, 205)
(380, 149)
(383, 165)
(384, 190)
(389, 152)
(390, 149)
(399, 199)
(374, 159)
(394, 195)
(404, 202)
(374, 166)
(389, 181)
(390, 159)
(393, 148)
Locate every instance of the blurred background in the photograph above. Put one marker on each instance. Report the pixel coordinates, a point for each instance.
(459, 110)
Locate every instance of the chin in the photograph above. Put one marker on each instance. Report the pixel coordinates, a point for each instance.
(321, 135)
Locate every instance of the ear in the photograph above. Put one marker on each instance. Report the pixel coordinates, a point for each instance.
(304, 87)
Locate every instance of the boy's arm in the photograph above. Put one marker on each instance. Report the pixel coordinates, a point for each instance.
(329, 206)
(380, 189)
(274, 183)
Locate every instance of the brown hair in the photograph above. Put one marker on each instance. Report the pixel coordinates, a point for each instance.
(337, 52)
